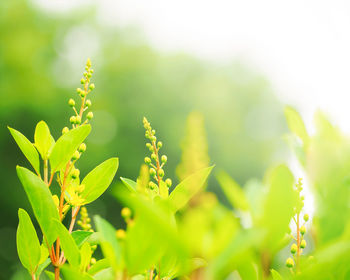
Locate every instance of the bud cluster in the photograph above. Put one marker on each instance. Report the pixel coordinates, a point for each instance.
(155, 164)
(85, 222)
(297, 248)
(87, 87)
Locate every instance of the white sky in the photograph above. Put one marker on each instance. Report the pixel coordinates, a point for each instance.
(302, 46)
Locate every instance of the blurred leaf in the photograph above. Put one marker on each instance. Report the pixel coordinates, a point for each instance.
(108, 240)
(98, 266)
(66, 145)
(28, 246)
(80, 236)
(99, 179)
(70, 249)
(130, 184)
(41, 267)
(85, 256)
(41, 200)
(27, 148)
(296, 124)
(275, 275)
(43, 140)
(233, 191)
(279, 204)
(105, 274)
(50, 275)
(184, 191)
(72, 273)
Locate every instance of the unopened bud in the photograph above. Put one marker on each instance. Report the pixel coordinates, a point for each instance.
(289, 262)
(90, 115)
(306, 217)
(152, 172)
(303, 244)
(293, 248)
(71, 102)
(65, 130)
(88, 103)
(120, 234)
(164, 158)
(76, 155)
(168, 182)
(92, 86)
(126, 213)
(302, 230)
(148, 160)
(159, 144)
(82, 148)
(161, 172)
(73, 119)
(75, 173)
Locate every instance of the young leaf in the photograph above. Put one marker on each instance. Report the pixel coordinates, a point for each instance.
(66, 145)
(28, 245)
(43, 140)
(233, 191)
(50, 275)
(110, 246)
(41, 200)
(98, 180)
(27, 149)
(296, 124)
(184, 191)
(80, 236)
(130, 184)
(70, 249)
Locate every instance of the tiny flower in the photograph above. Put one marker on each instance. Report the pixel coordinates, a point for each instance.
(71, 102)
(126, 213)
(76, 155)
(148, 160)
(77, 119)
(306, 217)
(302, 230)
(152, 172)
(73, 119)
(82, 81)
(65, 130)
(293, 248)
(120, 234)
(159, 144)
(164, 158)
(90, 115)
(75, 173)
(88, 103)
(303, 244)
(161, 172)
(92, 86)
(82, 148)
(168, 182)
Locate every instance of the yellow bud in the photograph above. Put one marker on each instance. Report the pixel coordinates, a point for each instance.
(120, 233)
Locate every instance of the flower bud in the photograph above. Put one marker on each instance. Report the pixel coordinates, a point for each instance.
(89, 75)
(289, 262)
(82, 94)
(164, 158)
(120, 234)
(91, 71)
(82, 148)
(153, 132)
(75, 173)
(293, 248)
(148, 160)
(302, 230)
(93, 261)
(306, 217)
(159, 144)
(79, 90)
(303, 244)
(76, 155)
(152, 185)
(153, 156)
(92, 86)
(82, 81)
(73, 119)
(148, 145)
(161, 172)
(80, 189)
(168, 182)
(126, 213)
(152, 172)
(65, 130)
(78, 120)
(90, 115)
(71, 102)
(88, 103)
(153, 138)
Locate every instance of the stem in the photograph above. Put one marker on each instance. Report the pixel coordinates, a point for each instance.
(159, 270)
(298, 243)
(46, 172)
(57, 273)
(33, 276)
(151, 274)
(157, 162)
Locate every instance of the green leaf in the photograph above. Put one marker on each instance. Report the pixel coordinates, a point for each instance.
(72, 273)
(279, 204)
(98, 180)
(41, 267)
(275, 275)
(98, 266)
(130, 184)
(66, 145)
(27, 149)
(184, 191)
(80, 236)
(85, 256)
(41, 200)
(28, 245)
(43, 140)
(296, 124)
(110, 246)
(233, 191)
(70, 249)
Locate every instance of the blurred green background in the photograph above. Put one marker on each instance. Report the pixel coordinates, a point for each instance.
(42, 57)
